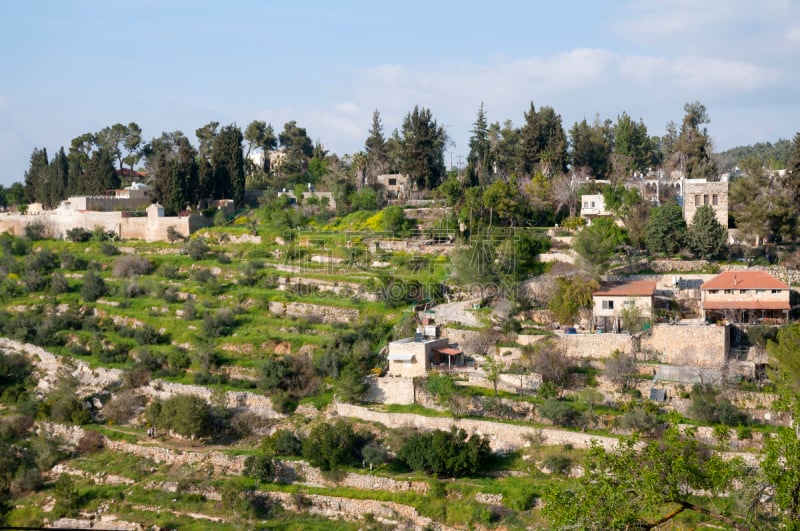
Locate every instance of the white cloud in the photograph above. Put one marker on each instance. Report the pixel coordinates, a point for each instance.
(576, 83)
(346, 107)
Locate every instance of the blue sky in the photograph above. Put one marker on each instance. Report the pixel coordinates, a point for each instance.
(70, 67)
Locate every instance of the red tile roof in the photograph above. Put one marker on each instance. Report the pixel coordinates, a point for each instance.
(746, 305)
(447, 350)
(744, 280)
(635, 288)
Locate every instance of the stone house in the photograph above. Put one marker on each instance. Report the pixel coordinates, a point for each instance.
(611, 301)
(700, 192)
(415, 356)
(396, 185)
(745, 297)
(593, 206)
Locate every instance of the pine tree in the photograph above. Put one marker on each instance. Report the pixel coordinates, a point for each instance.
(375, 148)
(694, 144)
(228, 164)
(100, 175)
(58, 179)
(666, 230)
(706, 235)
(36, 176)
(423, 143)
(479, 160)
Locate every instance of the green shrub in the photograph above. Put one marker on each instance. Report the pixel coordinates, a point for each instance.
(559, 412)
(259, 467)
(93, 287)
(35, 231)
(78, 234)
(284, 442)
(108, 249)
(558, 463)
(449, 453)
(330, 446)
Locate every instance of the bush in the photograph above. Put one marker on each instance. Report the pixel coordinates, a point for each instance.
(123, 407)
(284, 442)
(131, 266)
(173, 235)
(186, 415)
(259, 467)
(93, 287)
(706, 406)
(374, 454)
(90, 443)
(108, 249)
(558, 463)
(67, 497)
(220, 323)
(78, 234)
(330, 446)
(197, 249)
(445, 452)
(639, 420)
(147, 335)
(35, 231)
(169, 271)
(559, 412)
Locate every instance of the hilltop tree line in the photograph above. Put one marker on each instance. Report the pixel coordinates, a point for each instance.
(515, 175)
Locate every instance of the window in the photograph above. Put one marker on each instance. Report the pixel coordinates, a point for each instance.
(629, 303)
(714, 291)
(592, 204)
(705, 199)
(608, 305)
(742, 292)
(392, 182)
(586, 204)
(728, 291)
(776, 291)
(714, 199)
(697, 200)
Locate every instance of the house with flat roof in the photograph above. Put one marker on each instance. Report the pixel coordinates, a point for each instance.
(610, 302)
(593, 206)
(415, 356)
(745, 297)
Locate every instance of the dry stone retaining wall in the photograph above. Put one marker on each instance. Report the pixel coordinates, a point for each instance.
(390, 390)
(328, 314)
(351, 509)
(691, 345)
(502, 437)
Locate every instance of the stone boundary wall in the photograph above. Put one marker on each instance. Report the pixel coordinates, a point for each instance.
(287, 471)
(692, 345)
(390, 390)
(149, 228)
(502, 437)
(389, 513)
(595, 346)
(328, 314)
(97, 379)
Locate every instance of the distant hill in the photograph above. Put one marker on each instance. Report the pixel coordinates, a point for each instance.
(775, 156)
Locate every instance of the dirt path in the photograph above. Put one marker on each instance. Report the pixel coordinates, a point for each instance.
(456, 312)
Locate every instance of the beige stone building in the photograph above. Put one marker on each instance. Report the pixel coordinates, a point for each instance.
(415, 356)
(397, 185)
(610, 302)
(700, 192)
(745, 297)
(153, 226)
(593, 206)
